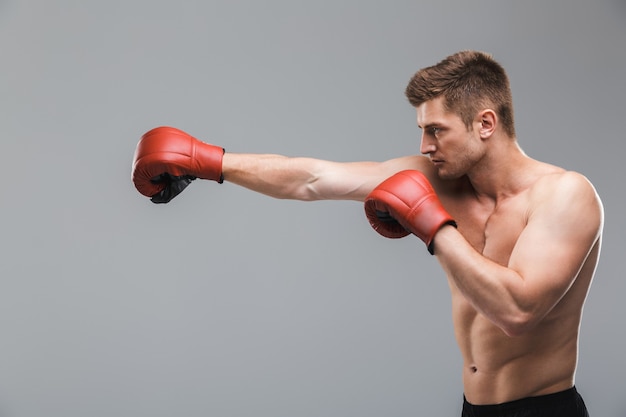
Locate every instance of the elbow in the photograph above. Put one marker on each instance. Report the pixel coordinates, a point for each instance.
(513, 331)
(519, 324)
(306, 191)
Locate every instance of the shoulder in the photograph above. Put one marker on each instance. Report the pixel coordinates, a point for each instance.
(566, 196)
(559, 184)
(417, 162)
(424, 165)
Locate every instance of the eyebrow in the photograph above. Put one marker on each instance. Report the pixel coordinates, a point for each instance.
(429, 125)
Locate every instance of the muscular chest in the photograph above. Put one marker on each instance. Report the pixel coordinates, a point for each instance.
(492, 229)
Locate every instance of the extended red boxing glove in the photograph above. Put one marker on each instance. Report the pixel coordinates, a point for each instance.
(406, 203)
(168, 159)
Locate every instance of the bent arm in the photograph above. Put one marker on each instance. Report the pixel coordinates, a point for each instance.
(549, 254)
(311, 179)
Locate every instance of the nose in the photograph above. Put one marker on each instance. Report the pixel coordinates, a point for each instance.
(427, 145)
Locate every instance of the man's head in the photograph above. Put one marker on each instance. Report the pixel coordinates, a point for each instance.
(468, 81)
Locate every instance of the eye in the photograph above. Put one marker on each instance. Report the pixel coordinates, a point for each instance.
(435, 131)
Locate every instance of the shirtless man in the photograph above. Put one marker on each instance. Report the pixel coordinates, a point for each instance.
(518, 239)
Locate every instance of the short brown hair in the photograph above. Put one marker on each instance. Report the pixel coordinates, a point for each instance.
(469, 81)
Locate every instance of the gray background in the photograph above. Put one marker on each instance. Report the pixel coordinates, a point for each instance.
(229, 303)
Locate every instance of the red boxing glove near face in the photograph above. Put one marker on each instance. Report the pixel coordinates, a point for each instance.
(168, 159)
(406, 203)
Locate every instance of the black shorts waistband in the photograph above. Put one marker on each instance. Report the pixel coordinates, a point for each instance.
(538, 402)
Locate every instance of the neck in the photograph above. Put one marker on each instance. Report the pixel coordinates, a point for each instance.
(502, 172)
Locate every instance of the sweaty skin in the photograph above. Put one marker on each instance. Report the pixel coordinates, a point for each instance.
(520, 263)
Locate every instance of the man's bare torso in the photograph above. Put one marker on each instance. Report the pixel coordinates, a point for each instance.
(498, 367)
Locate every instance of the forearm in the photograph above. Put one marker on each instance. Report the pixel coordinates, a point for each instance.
(493, 290)
(274, 175)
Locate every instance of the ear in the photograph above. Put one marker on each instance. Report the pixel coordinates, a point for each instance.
(488, 120)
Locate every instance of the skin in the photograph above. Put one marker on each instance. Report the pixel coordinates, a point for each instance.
(520, 263)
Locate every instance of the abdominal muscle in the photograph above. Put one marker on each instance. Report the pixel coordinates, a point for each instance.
(499, 368)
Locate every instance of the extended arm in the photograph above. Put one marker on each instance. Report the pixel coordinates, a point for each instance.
(307, 178)
(168, 159)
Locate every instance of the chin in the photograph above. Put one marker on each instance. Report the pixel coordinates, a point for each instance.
(447, 175)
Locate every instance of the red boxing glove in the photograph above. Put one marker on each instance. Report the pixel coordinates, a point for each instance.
(406, 203)
(168, 159)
